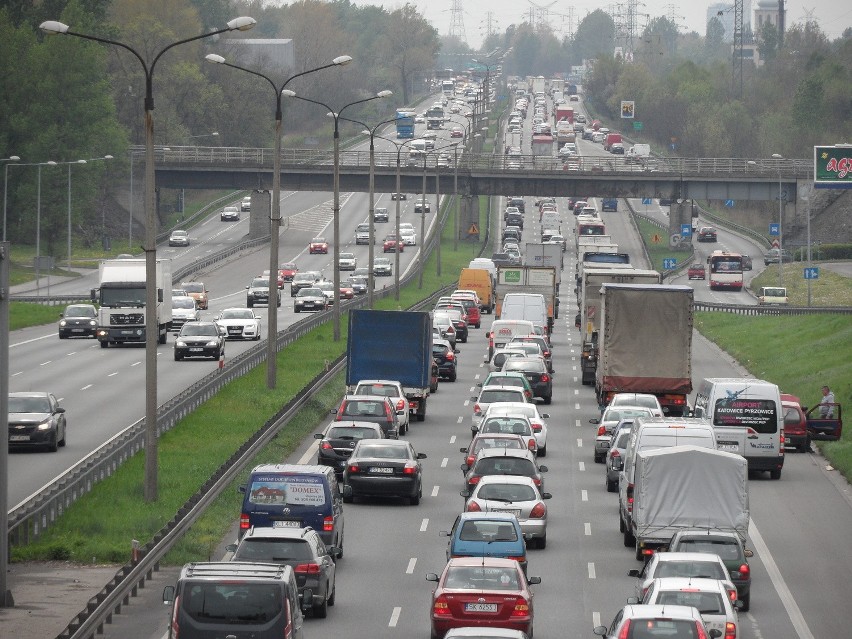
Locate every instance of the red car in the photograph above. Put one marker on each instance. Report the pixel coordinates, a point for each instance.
(286, 271)
(391, 244)
(696, 272)
(456, 133)
(347, 292)
(795, 424)
(318, 245)
(490, 592)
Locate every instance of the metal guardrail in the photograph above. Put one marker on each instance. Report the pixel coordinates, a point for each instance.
(741, 309)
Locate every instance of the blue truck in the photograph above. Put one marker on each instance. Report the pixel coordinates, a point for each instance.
(609, 204)
(409, 336)
(405, 123)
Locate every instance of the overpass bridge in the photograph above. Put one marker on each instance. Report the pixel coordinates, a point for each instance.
(487, 174)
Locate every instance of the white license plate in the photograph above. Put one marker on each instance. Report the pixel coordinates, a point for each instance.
(19, 438)
(195, 350)
(511, 511)
(286, 524)
(77, 330)
(382, 471)
(480, 607)
(729, 447)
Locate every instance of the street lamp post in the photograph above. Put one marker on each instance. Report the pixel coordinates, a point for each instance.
(778, 156)
(11, 158)
(275, 217)
(52, 27)
(38, 226)
(336, 204)
(106, 157)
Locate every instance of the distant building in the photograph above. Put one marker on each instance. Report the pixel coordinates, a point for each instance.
(765, 13)
(724, 12)
(273, 56)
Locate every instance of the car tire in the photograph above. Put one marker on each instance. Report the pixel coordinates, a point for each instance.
(178, 357)
(453, 376)
(746, 603)
(621, 526)
(104, 344)
(629, 540)
(333, 596)
(348, 499)
(611, 486)
(321, 611)
(542, 452)
(775, 473)
(278, 304)
(53, 445)
(61, 336)
(257, 337)
(599, 459)
(296, 310)
(415, 500)
(249, 304)
(548, 399)
(541, 543)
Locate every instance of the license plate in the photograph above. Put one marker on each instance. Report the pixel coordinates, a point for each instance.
(480, 607)
(76, 330)
(19, 438)
(234, 331)
(382, 471)
(511, 511)
(195, 350)
(286, 524)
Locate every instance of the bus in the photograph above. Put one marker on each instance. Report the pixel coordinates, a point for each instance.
(726, 271)
(588, 225)
(448, 88)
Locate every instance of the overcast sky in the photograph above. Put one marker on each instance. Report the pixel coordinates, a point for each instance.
(833, 16)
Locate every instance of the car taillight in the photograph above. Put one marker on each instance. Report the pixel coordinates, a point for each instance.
(521, 609)
(328, 524)
(450, 357)
(601, 430)
(441, 607)
(410, 469)
(625, 630)
(730, 630)
(781, 449)
(545, 378)
(536, 481)
(630, 498)
(451, 329)
(307, 569)
(536, 427)
(477, 410)
(546, 354)
(531, 444)
(326, 445)
(473, 507)
(400, 404)
(732, 595)
(342, 409)
(538, 511)
(470, 459)
(744, 571)
(699, 630)
(244, 522)
(354, 468)
(175, 613)
(473, 480)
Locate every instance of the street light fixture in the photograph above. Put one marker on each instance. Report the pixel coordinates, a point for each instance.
(423, 205)
(13, 159)
(778, 156)
(52, 27)
(336, 206)
(275, 217)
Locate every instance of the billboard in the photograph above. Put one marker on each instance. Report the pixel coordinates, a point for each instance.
(833, 167)
(628, 109)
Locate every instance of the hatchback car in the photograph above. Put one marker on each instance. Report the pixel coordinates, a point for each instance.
(481, 441)
(445, 327)
(457, 317)
(78, 320)
(697, 272)
(471, 309)
(707, 234)
(530, 412)
(382, 267)
(200, 339)
(257, 292)
(407, 234)
(36, 419)
(184, 309)
(384, 468)
(505, 461)
(795, 424)
(421, 206)
(499, 378)
(509, 425)
(535, 370)
(391, 389)
(300, 548)
(487, 592)
(336, 444)
(380, 214)
(502, 355)
(369, 408)
(358, 284)
(198, 292)
(392, 244)
(318, 245)
(245, 205)
(179, 238)
(638, 620)
(445, 356)
(491, 394)
(544, 345)
(303, 279)
(500, 531)
(708, 596)
(239, 323)
(230, 214)
(607, 423)
(683, 564)
(517, 496)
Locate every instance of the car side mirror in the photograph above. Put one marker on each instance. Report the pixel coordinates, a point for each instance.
(319, 435)
(431, 576)
(232, 548)
(633, 600)
(594, 421)
(533, 580)
(546, 496)
(600, 631)
(333, 411)
(464, 468)
(462, 450)
(545, 415)
(748, 552)
(542, 468)
(168, 594)
(715, 633)
(246, 287)
(456, 351)
(633, 572)
(444, 533)
(242, 488)
(421, 455)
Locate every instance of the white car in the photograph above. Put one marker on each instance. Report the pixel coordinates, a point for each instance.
(638, 399)
(492, 394)
(184, 309)
(612, 415)
(516, 495)
(708, 596)
(347, 262)
(528, 410)
(407, 233)
(179, 238)
(392, 390)
(327, 289)
(239, 323)
(245, 205)
(683, 564)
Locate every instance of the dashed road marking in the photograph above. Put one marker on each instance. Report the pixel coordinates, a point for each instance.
(411, 563)
(584, 495)
(444, 462)
(435, 491)
(424, 524)
(394, 617)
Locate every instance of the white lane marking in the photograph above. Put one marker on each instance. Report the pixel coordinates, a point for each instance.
(587, 527)
(460, 419)
(47, 362)
(472, 389)
(424, 524)
(86, 387)
(394, 617)
(576, 390)
(136, 363)
(576, 379)
(30, 341)
(444, 462)
(579, 443)
(466, 403)
(453, 438)
(577, 423)
(16, 374)
(596, 619)
(307, 456)
(477, 376)
(577, 406)
(411, 563)
(584, 495)
(113, 374)
(574, 368)
(582, 466)
(591, 570)
(435, 491)
(793, 611)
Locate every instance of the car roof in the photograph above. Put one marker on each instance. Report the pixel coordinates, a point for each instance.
(29, 394)
(484, 561)
(646, 611)
(265, 532)
(488, 515)
(686, 556)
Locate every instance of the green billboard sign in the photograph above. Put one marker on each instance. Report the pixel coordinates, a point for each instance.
(833, 167)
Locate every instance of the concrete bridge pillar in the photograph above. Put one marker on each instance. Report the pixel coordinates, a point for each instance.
(261, 210)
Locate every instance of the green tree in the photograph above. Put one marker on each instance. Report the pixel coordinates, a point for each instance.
(410, 45)
(714, 42)
(768, 42)
(595, 36)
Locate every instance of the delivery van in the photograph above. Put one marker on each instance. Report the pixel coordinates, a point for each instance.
(610, 139)
(524, 306)
(748, 419)
(502, 332)
(479, 280)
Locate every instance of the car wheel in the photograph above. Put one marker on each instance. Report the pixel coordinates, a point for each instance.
(321, 611)
(333, 594)
(630, 540)
(611, 486)
(64, 435)
(257, 337)
(541, 543)
(348, 499)
(61, 336)
(178, 357)
(746, 603)
(296, 310)
(453, 376)
(598, 459)
(542, 452)
(621, 527)
(415, 500)
(278, 304)
(775, 473)
(249, 304)
(548, 399)
(53, 445)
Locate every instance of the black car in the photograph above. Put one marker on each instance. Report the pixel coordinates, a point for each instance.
(543, 343)
(380, 214)
(502, 259)
(384, 468)
(258, 292)
(376, 409)
(515, 219)
(78, 320)
(517, 201)
(535, 370)
(445, 355)
(300, 548)
(36, 419)
(338, 441)
(706, 234)
(399, 196)
(358, 284)
(503, 461)
(200, 339)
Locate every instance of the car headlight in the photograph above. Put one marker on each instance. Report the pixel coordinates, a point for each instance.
(46, 424)
(61, 323)
(93, 323)
(180, 344)
(212, 342)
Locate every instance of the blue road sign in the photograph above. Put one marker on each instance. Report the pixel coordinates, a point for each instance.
(812, 273)
(729, 204)
(775, 229)
(669, 263)
(686, 230)
(646, 200)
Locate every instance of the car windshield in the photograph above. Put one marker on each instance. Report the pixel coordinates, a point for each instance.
(178, 233)
(658, 628)
(383, 451)
(82, 310)
(481, 578)
(347, 256)
(260, 283)
(183, 302)
(273, 550)
(506, 492)
(508, 425)
(289, 266)
(707, 569)
(192, 287)
(237, 313)
(198, 330)
(310, 292)
(29, 405)
(318, 240)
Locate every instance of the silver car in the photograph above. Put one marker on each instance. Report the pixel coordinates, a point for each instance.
(607, 423)
(708, 596)
(683, 564)
(615, 454)
(516, 495)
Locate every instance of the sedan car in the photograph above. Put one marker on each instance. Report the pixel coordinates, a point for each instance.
(304, 279)
(245, 205)
(198, 292)
(707, 234)
(708, 596)
(697, 271)
(79, 320)
(517, 496)
(200, 339)
(179, 238)
(318, 245)
(482, 592)
(530, 412)
(300, 548)
(683, 564)
(184, 309)
(36, 419)
(509, 425)
(336, 444)
(347, 262)
(383, 467)
(535, 370)
(391, 244)
(257, 292)
(445, 356)
(456, 132)
(230, 214)
(358, 284)
(382, 267)
(310, 299)
(399, 196)
(239, 323)
(392, 390)
(491, 440)
(500, 531)
(607, 423)
(655, 621)
(421, 206)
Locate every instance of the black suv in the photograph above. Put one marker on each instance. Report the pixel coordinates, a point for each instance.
(258, 292)
(517, 201)
(338, 441)
(303, 550)
(535, 370)
(515, 219)
(200, 339)
(375, 409)
(304, 279)
(445, 355)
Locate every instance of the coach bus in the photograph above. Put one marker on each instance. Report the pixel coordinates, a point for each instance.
(726, 271)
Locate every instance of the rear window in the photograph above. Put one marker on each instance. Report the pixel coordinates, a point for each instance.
(387, 390)
(272, 550)
(653, 628)
(792, 416)
(707, 603)
(506, 425)
(287, 490)
(363, 408)
(236, 603)
(496, 442)
(507, 492)
(727, 550)
(486, 530)
(481, 578)
(706, 569)
(500, 395)
(351, 432)
(759, 414)
(505, 466)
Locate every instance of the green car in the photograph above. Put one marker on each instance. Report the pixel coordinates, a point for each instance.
(509, 379)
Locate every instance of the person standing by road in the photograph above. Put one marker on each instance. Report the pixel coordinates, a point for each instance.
(826, 406)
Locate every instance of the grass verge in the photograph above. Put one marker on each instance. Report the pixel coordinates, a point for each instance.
(657, 243)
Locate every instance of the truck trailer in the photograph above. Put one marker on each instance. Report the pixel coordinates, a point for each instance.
(533, 280)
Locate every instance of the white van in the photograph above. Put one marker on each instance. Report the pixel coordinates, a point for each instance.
(649, 433)
(502, 332)
(418, 145)
(484, 263)
(551, 220)
(524, 306)
(748, 419)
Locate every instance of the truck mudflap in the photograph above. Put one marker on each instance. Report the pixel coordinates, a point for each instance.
(417, 407)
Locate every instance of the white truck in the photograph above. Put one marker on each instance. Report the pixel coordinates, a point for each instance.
(687, 487)
(538, 255)
(536, 280)
(121, 297)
